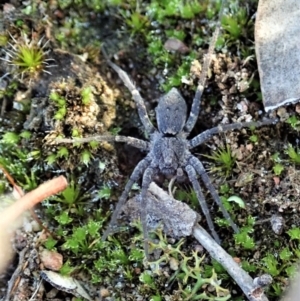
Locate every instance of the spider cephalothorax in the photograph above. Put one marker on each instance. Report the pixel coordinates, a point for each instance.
(171, 113)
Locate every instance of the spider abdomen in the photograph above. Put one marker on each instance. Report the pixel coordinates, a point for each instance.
(168, 154)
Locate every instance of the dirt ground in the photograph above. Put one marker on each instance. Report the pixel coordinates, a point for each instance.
(47, 102)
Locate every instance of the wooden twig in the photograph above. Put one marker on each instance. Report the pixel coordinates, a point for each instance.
(243, 280)
(11, 181)
(15, 278)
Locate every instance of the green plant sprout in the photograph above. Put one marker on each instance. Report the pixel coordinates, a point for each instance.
(9, 90)
(235, 23)
(50, 243)
(294, 122)
(271, 265)
(86, 95)
(85, 157)
(293, 154)
(189, 271)
(18, 161)
(104, 192)
(66, 269)
(159, 10)
(137, 22)
(61, 105)
(253, 138)
(243, 238)
(64, 218)
(278, 168)
(28, 56)
(224, 160)
(182, 71)
(294, 233)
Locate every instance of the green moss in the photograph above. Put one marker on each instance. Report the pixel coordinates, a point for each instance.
(293, 154)
(223, 159)
(294, 122)
(86, 95)
(235, 22)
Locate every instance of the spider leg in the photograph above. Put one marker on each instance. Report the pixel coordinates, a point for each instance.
(141, 144)
(196, 163)
(147, 179)
(136, 174)
(206, 135)
(135, 94)
(195, 109)
(193, 178)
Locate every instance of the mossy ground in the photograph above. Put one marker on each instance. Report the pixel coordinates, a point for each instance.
(137, 34)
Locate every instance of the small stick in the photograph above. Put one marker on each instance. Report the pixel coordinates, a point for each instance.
(10, 214)
(244, 281)
(15, 278)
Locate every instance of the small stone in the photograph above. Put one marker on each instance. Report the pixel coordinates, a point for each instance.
(263, 280)
(173, 44)
(35, 226)
(173, 264)
(104, 293)
(282, 113)
(52, 293)
(51, 260)
(237, 260)
(277, 223)
(276, 180)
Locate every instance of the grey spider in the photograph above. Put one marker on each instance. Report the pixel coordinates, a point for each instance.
(168, 148)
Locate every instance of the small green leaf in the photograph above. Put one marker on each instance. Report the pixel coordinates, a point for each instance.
(278, 169)
(62, 152)
(244, 240)
(60, 114)
(86, 95)
(93, 228)
(294, 233)
(51, 159)
(237, 200)
(285, 254)
(54, 96)
(75, 133)
(294, 122)
(50, 243)
(64, 218)
(293, 154)
(66, 269)
(85, 157)
(80, 234)
(25, 135)
(115, 131)
(271, 264)
(253, 138)
(104, 192)
(69, 195)
(11, 138)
